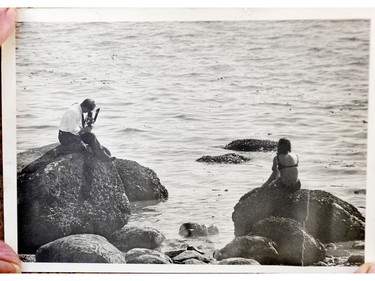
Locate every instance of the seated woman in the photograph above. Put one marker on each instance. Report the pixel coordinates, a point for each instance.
(284, 169)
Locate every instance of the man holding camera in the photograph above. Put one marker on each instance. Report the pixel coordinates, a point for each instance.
(76, 135)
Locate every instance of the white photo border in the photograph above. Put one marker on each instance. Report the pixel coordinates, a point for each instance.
(169, 14)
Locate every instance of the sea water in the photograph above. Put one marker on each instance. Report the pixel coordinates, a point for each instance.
(171, 92)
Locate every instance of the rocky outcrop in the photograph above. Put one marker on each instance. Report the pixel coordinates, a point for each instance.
(294, 245)
(146, 256)
(323, 215)
(130, 237)
(71, 194)
(230, 158)
(252, 145)
(258, 248)
(63, 193)
(140, 183)
(82, 248)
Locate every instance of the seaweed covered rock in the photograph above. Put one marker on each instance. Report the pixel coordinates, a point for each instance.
(130, 237)
(325, 216)
(229, 158)
(82, 248)
(294, 245)
(252, 145)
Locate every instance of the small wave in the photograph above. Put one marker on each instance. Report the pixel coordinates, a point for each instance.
(354, 38)
(183, 117)
(359, 63)
(132, 130)
(315, 49)
(26, 116)
(40, 127)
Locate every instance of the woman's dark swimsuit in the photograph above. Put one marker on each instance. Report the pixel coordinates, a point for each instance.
(281, 166)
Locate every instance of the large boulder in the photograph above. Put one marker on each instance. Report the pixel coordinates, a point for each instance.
(140, 183)
(62, 192)
(80, 248)
(294, 245)
(65, 194)
(252, 145)
(261, 249)
(229, 158)
(324, 216)
(130, 237)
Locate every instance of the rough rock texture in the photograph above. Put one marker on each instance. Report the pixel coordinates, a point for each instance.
(140, 183)
(82, 248)
(258, 248)
(294, 245)
(66, 194)
(252, 145)
(27, 157)
(325, 216)
(238, 261)
(191, 254)
(146, 256)
(130, 237)
(230, 158)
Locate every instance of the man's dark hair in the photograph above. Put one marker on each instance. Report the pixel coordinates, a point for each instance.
(284, 146)
(89, 104)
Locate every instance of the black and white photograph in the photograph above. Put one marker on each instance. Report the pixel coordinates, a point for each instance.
(212, 143)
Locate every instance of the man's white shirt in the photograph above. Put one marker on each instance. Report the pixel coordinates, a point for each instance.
(72, 120)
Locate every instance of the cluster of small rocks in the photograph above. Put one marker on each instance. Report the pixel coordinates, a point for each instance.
(136, 245)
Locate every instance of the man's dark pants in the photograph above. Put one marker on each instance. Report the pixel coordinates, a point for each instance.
(75, 143)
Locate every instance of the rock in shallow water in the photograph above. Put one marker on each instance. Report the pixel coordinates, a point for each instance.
(252, 145)
(191, 230)
(80, 248)
(140, 183)
(325, 216)
(230, 158)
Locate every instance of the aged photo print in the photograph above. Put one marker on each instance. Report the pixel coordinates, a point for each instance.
(202, 142)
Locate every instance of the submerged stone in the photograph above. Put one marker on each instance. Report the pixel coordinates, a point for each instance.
(230, 158)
